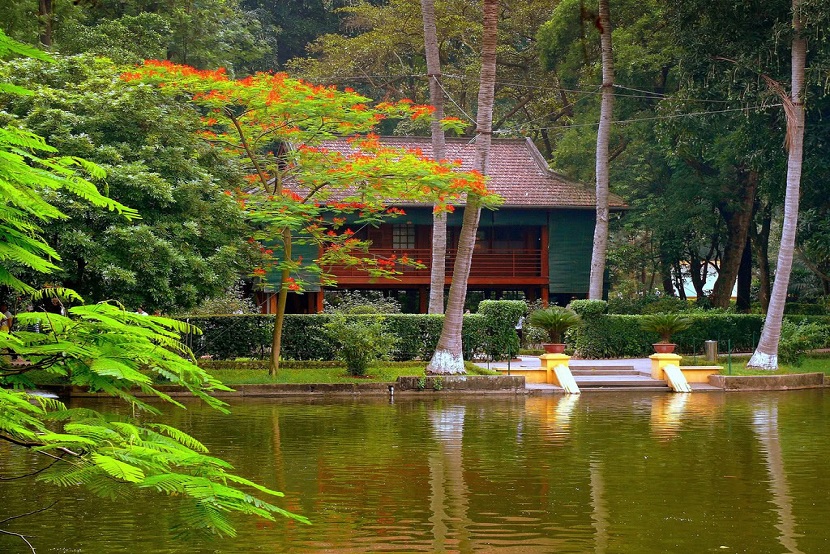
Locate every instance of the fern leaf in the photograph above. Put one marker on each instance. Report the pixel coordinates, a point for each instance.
(118, 469)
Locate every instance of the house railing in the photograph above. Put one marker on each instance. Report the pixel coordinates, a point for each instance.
(487, 262)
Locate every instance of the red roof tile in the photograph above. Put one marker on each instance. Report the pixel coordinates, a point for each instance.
(517, 170)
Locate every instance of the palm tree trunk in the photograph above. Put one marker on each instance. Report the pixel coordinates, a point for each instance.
(766, 353)
(448, 357)
(603, 136)
(436, 98)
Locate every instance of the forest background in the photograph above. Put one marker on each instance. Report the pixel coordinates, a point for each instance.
(696, 147)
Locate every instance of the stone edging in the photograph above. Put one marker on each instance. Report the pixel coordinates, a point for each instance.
(767, 382)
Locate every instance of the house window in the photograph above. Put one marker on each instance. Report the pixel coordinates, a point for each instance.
(403, 236)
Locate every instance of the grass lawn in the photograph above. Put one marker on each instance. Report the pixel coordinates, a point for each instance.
(295, 373)
(382, 373)
(813, 363)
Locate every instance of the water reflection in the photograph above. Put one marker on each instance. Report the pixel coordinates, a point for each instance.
(765, 422)
(448, 492)
(621, 473)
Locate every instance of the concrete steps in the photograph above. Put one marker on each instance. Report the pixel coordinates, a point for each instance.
(603, 370)
(617, 382)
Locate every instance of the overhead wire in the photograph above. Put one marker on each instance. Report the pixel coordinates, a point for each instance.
(637, 120)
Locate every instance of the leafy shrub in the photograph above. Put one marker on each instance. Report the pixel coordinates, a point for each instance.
(360, 302)
(622, 336)
(799, 338)
(800, 308)
(475, 337)
(554, 320)
(665, 325)
(589, 308)
(359, 341)
(666, 304)
(227, 337)
(502, 317)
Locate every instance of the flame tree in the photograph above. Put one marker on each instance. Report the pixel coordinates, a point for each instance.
(303, 192)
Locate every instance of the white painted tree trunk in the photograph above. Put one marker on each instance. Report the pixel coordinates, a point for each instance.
(766, 353)
(448, 357)
(600, 248)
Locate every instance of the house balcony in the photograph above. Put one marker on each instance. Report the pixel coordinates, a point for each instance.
(489, 267)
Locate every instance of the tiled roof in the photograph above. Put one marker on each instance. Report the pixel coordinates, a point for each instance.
(516, 168)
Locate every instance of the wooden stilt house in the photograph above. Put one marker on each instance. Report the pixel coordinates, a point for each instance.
(536, 245)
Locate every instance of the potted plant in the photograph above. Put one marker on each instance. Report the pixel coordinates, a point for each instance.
(665, 325)
(554, 321)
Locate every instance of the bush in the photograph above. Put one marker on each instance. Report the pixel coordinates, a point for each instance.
(589, 308)
(231, 336)
(502, 317)
(621, 336)
(359, 341)
(554, 320)
(665, 325)
(799, 338)
(304, 337)
(799, 308)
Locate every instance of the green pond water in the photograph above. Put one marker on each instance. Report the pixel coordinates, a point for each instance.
(604, 472)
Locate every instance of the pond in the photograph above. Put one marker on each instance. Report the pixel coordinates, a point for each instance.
(602, 472)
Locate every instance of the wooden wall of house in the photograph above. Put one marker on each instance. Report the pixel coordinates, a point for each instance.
(571, 235)
(309, 252)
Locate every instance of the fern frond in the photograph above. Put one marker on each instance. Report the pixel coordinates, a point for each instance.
(179, 436)
(118, 469)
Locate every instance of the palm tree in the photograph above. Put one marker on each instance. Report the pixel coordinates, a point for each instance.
(766, 353)
(603, 136)
(436, 98)
(448, 356)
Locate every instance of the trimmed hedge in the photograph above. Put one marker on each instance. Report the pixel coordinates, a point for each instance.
(226, 337)
(502, 316)
(620, 336)
(489, 333)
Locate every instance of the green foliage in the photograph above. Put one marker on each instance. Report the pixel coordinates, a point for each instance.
(190, 241)
(304, 338)
(554, 320)
(799, 338)
(502, 316)
(417, 335)
(665, 325)
(798, 308)
(437, 383)
(359, 341)
(225, 337)
(622, 336)
(356, 302)
(231, 301)
(589, 308)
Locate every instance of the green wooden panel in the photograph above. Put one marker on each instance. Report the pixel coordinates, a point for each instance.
(571, 236)
(309, 253)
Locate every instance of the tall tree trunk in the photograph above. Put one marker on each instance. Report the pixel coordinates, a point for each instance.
(44, 13)
(282, 301)
(743, 302)
(766, 353)
(448, 357)
(603, 136)
(436, 98)
(737, 214)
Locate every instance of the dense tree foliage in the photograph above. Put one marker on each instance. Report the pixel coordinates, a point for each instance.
(190, 241)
